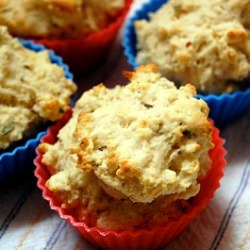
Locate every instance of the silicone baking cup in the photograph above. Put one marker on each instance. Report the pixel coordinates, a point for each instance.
(85, 52)
(19, 160)
(152, 238)
(224, 108)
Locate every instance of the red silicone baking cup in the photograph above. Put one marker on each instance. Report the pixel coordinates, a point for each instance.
(85, 52)
(152, 238)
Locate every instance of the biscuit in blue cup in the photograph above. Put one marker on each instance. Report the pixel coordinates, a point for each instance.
(224, 108)
(18, 161)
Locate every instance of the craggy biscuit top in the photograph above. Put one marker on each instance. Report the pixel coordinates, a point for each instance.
(203, 42)
(142, 141)
(57, 18)
(32, 89)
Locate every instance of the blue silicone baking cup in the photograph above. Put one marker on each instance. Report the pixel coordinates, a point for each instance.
(224, 108)
(19, 161)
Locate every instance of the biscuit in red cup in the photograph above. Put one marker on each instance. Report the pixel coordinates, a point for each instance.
(149, 238)
(85, 52)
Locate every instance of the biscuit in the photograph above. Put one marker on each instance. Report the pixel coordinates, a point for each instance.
(32, 89)
(141, 142)
(203, 42)
(57, 18)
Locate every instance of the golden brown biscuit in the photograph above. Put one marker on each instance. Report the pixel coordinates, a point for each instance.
(141, 142)
(32, 89)
(57, 18)
(203, 42)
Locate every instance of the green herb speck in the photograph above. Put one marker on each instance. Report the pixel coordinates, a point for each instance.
(7, 127)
